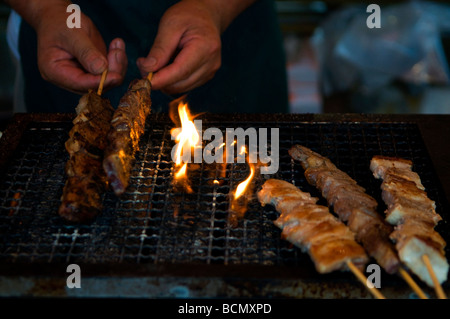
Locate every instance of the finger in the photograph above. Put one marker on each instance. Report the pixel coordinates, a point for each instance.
(66, 72)
(162, 51)
(90, 55)
(117, 63)
(183, 66)
(196, 80)
(192, 80)
(187, 70)
(75, 79)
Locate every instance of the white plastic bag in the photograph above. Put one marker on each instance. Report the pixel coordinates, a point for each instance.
(407, 46)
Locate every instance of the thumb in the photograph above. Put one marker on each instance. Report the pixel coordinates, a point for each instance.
(87, 53)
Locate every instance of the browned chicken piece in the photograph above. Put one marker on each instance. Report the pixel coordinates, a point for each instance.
(397, 167)
(403, 197)
(86, 180)
(127, 127)
(414, 214)
(352, 204)
(312, 227)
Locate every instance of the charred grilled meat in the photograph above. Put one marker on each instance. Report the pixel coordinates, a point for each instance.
(413, 213)
(312, 227)
(351, 203)
(127, 126)
(86, 180)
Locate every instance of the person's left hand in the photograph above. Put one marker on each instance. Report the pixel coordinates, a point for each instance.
(187, 49)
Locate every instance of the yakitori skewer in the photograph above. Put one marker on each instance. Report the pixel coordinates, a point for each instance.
(354, 207)
(413, 213)
(81, 200)
(127, 127)
(311, 227)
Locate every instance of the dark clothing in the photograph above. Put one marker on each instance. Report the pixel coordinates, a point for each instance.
(252, 77)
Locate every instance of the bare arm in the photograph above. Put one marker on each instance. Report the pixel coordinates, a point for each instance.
(32, 10)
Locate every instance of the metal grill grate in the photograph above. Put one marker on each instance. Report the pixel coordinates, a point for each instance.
(154, 222)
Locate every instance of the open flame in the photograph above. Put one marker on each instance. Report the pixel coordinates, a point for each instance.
(239, 202)
(181, 172)
(242, 187)
(243, 150)
(187, 138)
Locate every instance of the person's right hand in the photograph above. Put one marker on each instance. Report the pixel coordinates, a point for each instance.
(74, 59)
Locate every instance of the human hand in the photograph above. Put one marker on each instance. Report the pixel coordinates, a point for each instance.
(74, 59)
(187, 49)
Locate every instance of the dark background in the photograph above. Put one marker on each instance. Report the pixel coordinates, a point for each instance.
(299, 20)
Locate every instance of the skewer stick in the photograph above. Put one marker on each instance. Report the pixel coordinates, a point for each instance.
(405, 275)
(374, 291)
(437, 286)
(150, 76)
(102, 81)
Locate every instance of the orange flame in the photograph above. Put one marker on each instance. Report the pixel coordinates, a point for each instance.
(181, 172)
(239, 202)
(242, 187)
(188, 136)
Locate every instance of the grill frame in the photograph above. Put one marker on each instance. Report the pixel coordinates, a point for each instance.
(208, 280)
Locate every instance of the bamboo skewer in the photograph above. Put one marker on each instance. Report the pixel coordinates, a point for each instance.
(437, 286)
(405, 275)
(102, 82)
(360, 276)
(374, 291)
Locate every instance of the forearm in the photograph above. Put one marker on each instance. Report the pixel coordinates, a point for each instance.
(32, 11)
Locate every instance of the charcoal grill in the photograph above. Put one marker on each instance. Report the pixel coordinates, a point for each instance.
(158, 240)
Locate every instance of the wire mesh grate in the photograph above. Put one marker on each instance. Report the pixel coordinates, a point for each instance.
(156, 222)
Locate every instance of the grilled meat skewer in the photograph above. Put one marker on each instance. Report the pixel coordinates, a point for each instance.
(86, 180)
(127, 126)
(413, 213)
(351, 203)
(312, 227)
